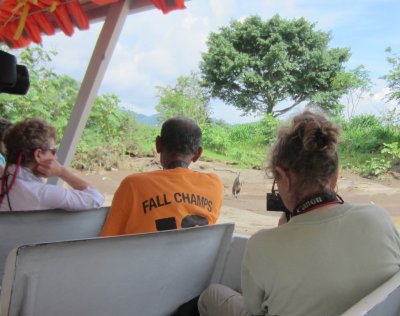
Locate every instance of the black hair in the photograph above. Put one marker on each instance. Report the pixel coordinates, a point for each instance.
(180, 135)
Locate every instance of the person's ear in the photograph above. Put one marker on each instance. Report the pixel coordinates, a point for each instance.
(334, 180)
(284, 177)
(37, 155)
(158, 144)
(197, 154)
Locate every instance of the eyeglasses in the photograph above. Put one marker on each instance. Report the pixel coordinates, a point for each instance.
(53, 150)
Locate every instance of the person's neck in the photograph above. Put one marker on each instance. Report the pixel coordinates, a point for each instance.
(176, 161)
(31, 166)
(301, 192)
(177, 164)
(316, 202)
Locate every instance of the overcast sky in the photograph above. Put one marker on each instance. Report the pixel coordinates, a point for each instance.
(154, 49)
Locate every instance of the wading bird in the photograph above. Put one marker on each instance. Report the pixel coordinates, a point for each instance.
(237, 186)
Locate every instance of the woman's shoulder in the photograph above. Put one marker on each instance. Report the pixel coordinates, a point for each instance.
(365, 209)
(267, 235)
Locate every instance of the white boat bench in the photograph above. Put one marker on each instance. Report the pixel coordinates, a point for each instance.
(144, 274)
(32, 227)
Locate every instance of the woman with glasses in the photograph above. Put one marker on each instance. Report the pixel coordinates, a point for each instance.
(31, 156)
(328, 255)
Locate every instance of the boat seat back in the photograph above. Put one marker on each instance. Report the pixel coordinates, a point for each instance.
(145, 274)
(32, 227)
(232, 267)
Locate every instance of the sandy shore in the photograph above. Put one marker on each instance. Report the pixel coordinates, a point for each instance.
(248, 211)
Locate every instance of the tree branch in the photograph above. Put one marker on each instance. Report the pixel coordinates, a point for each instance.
(283, 111)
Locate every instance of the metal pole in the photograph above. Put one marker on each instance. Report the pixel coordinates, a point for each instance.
(90, 85)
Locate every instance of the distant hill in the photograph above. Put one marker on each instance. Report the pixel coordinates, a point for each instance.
(145, 119)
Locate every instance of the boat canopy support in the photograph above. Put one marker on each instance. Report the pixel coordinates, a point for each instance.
(94, 75)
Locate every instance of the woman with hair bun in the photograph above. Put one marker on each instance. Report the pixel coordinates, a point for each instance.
(330, 253)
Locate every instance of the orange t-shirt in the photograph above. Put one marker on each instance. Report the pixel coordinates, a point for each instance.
(163, 200)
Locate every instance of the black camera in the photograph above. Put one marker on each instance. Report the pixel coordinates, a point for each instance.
(275, 203)
(14, 78)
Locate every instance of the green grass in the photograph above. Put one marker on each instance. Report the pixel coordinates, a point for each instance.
(353, 160)
(245, 145)
(240, 156)
(211, 155)
(364, 164)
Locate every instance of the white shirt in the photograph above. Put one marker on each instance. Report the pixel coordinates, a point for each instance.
(30, 192)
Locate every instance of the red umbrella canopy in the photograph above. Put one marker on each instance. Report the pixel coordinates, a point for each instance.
(24, 21)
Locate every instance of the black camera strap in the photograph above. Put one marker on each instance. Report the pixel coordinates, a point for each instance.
(317, 200)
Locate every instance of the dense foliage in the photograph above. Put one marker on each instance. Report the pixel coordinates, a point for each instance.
(256, 65)
(369, 145)
(52, 96)
(187, 98)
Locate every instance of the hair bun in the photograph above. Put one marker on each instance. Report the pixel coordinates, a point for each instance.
(319, 135)
(307, 148)
(321, 139)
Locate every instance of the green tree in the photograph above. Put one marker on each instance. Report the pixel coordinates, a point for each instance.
(186, 98)
(50, 96)
(393, 78)
(106, 118)
(255, 65)
(354, 84)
